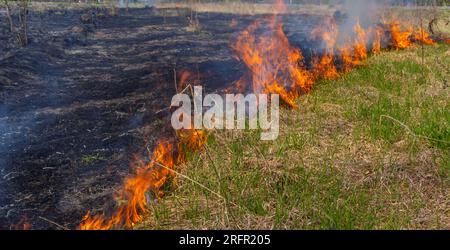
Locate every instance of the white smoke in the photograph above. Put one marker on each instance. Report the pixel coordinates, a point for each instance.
(365, 12)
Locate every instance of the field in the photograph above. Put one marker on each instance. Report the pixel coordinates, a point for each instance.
(367, 150)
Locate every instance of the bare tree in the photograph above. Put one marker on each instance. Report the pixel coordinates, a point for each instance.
(19, 30)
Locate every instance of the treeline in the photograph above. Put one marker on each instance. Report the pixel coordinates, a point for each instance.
(320, 2)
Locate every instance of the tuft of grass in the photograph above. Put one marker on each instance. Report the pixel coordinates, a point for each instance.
(91, 158)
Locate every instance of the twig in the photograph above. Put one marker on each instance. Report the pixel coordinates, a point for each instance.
(423, 46)
(216, 171)
(175, 79)
(187, 87)
(188, 178)
(184, 176)
(54, 223)
(168, 108)
(192, 180)
(409, 131)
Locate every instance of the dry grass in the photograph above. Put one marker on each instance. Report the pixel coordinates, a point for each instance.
(421, 17)
(249, 8)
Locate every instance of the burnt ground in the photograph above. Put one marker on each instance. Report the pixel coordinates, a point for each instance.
(77, 103)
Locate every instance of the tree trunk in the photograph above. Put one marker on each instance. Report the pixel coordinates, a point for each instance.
(8, 15)
(21, 32)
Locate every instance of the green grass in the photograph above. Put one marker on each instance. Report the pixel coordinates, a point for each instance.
(91, 158)
(344, 160)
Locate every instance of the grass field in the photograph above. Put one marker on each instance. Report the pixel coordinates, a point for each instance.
(370, 150)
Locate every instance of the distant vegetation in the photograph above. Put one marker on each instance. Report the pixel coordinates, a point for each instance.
(16, 15)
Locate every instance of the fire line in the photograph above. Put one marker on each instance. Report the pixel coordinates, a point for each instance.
(274, 66)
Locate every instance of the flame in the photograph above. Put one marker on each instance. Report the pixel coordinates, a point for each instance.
(360, 43)
(184, 79)
(23, 224)
(191, 138)
(400, 39)
(275, 66)
(376, 43)
(327, 31)
(406, 39)
(147, 183)
(353, 54)
(422, 36)
(324, 67)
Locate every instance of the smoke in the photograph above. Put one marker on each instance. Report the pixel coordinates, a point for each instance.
(354, 11)
(361, 10)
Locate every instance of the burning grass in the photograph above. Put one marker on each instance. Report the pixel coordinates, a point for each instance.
(149, 182)
(339, 163)
(277, 67)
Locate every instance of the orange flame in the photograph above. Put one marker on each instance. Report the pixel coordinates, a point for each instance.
(422, 36)
(400, 39)
(147, 183)
(360, 43)
(324, 67)
(184, 79)
(275, 66)
(23, 224)
(354, 53)
(376, 43)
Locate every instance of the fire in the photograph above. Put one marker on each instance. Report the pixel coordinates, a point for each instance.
(354, 53)
(184, 77)
(423, 37)
(275, 66)
(406, 39)
(147, 184)
(23, 224)
(376, 43)
(324, 67)
(360, 43)
(400, 39)
(191, 138)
